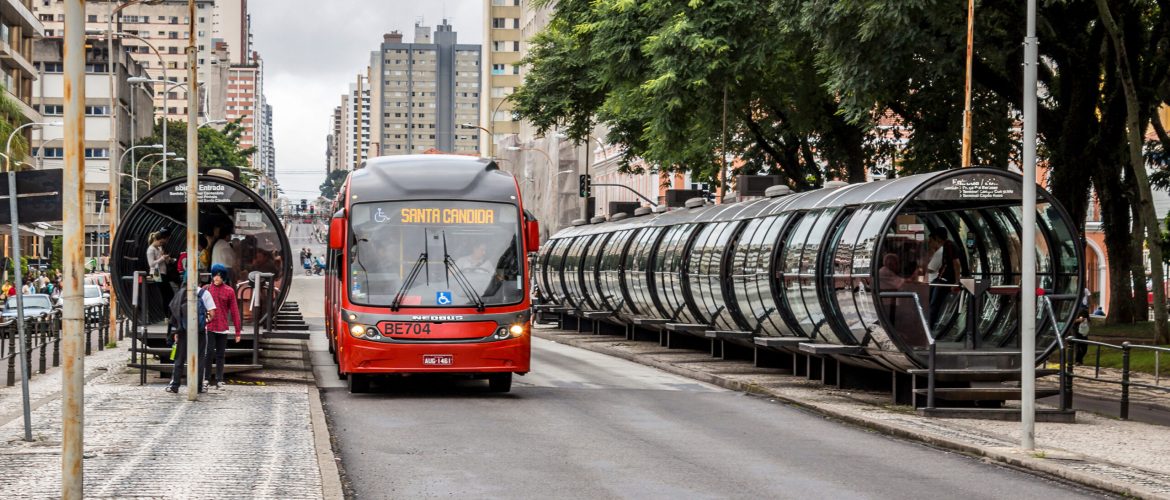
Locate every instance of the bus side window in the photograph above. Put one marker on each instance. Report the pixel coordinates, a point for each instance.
(337, 266)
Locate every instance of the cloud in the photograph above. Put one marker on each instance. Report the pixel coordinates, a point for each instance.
(313, 50)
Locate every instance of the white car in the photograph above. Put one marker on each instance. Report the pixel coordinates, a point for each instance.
(94, 296)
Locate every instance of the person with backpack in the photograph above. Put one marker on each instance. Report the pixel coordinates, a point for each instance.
(224, 297)
(178, 309)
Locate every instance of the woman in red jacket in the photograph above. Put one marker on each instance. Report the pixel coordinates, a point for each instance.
(217, 329)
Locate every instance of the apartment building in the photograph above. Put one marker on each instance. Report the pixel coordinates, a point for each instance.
(504, 40)
(134, 120)
(429, 93)
(164, 26)
(19, 27)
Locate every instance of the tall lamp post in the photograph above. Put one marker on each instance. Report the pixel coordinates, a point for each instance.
(491, 138)
(193, 382)
(134, 189)
(15, 221)
(1028, 241)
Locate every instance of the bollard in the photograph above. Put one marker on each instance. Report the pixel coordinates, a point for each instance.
(88, 326)
(1067, 376)
(930, 378)
(1125, 380)
(45, 333)
(26, 359)
(56, 334)
(11, 360)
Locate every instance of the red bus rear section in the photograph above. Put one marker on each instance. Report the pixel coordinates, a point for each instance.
(428, 271)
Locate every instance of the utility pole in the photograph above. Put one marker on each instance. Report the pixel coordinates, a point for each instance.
(967, 85)
(72, 261)
(193, 354)
(1028, 242)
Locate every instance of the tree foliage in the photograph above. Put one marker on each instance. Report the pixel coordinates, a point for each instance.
(333, 183)
(217, 148)
(658, 74)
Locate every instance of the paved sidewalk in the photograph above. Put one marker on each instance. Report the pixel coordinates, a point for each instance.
(1123, 457)
(246, 441)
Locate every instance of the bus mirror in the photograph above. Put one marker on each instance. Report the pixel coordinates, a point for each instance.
(336, 233)
(532, 235)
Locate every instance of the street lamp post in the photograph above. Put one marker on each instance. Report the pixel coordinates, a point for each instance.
(491, 138)
(162, 66)
(150, 172)
(134, 188)
(1028, 241)
(18, 279)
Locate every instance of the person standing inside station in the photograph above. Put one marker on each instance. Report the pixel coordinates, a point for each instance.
(222, 252)
(948, 272)
(217, 329)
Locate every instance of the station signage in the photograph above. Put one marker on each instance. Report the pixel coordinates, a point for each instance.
(973, 187)
(209, 192)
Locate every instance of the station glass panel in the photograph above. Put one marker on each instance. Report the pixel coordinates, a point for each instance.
(817, 324)
(702, 252)
(573, 270)
(767, 290)
(867, 295)
(842, 303)
(556, 267)
(610, 270)
(637, 274)
(546, 254)
(589, 276)
(668, 269)
(724, 244)
(792, 257)
(743, 269)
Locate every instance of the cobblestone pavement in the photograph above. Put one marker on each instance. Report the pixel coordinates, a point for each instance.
(246, 441)
(1121, 456)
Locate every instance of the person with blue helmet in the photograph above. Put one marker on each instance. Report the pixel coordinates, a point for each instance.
(224, 297)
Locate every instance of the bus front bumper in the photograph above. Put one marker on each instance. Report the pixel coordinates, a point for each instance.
(366, 357)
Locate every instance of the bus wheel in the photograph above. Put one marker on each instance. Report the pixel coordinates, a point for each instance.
(358, 383)
(500, 382)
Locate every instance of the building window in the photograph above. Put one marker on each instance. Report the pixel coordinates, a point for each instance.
(97, 153)
(498, 69)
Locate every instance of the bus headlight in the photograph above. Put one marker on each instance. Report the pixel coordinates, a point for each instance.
(510, 332)
(372, 333)
(357, 330)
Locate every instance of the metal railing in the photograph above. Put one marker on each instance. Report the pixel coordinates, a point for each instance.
(932, 354)
(1126, 382)
(44, 334)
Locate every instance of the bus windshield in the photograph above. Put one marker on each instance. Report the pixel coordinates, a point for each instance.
(435, 254)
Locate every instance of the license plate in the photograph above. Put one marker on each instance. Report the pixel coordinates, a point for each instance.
(405, 328)
(438, 360)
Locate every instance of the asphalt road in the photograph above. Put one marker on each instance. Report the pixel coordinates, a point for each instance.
(585, 425)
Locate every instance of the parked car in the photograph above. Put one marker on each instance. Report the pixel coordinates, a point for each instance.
(94, 296)
(35, 304)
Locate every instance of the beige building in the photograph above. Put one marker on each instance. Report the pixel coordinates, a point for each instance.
(429, 93)
(135, 119)
(165, 26)
(504, 46)
(19, 27)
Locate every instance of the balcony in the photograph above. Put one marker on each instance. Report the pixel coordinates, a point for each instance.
(15, 12)
(14, 58)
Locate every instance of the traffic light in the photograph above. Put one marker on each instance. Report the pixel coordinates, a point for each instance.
(312, 208)
(584, 185)
(304, 205)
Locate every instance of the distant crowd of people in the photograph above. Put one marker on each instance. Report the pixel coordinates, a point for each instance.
(48, 283)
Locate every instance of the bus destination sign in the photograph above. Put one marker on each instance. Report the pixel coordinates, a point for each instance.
(446, 216)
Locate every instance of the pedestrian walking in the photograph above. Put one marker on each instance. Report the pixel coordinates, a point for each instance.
(178, 308)
(1081, 332)
(217, 329)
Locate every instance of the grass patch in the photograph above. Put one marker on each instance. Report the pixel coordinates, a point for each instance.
(1140, 360)
(1143, 330)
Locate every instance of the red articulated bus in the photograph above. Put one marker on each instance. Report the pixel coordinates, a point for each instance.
(427, 271)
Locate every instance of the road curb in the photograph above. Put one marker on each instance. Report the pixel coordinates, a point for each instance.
(1012, 458)
(330, 475)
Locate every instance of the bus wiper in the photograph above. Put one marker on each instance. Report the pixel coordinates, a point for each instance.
(418, 265)
(460, 278)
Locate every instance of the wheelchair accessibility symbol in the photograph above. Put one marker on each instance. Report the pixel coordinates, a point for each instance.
(380, 216)
(443, 298)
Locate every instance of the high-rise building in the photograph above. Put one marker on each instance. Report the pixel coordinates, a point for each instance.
(429, 93)
(334, 153)
(357, 125)
(503, 40)
(48, 151)
(18, 29)
(231, 23)
(245, 102)
(164, 26)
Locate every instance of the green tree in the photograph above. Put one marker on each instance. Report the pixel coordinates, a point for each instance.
(217, 148)
(658, 75)
(333, 183)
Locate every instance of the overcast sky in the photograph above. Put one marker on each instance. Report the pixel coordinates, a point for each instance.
(314, 49)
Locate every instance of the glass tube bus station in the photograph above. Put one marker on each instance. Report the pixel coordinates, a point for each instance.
(841, 273)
